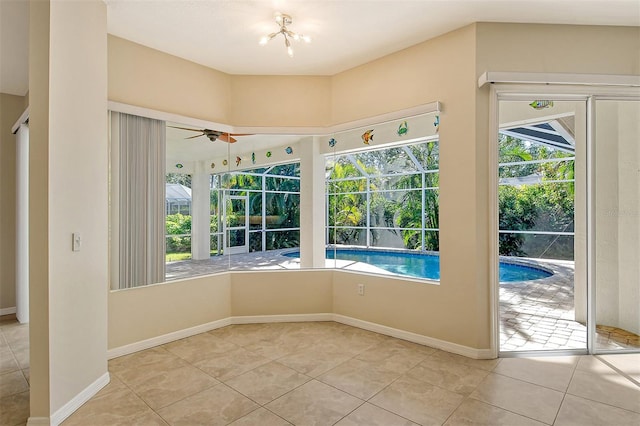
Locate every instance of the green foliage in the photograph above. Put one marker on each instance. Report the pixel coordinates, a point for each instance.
(179, 178)
(347, 205)
(391, 171)
(180, 226)
(281, 205)
(517, 213)
(411, 209)
(545, 206)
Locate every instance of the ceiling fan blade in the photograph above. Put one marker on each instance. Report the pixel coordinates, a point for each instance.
(226, 137)
(241, 134)
(186, 128)
(196, 136)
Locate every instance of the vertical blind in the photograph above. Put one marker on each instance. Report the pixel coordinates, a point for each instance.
(142, 198)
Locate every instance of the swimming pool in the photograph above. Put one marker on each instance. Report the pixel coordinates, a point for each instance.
(425, 265)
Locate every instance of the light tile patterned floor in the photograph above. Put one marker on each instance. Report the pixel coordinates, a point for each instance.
(331, 373)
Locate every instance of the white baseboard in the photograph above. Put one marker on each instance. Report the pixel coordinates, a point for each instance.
(8, 311)
(38, 421)
(257, 319)
(415, 338)
(166, 338)
(70, 407)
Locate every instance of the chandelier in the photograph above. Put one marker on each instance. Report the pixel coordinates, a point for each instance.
(283, 20)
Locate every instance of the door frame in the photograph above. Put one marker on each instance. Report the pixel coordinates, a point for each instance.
(599, 90)
(235, 249)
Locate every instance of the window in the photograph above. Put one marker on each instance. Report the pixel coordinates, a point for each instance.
(386, 198)
(178, 217)
(228, 203)
(273, 208)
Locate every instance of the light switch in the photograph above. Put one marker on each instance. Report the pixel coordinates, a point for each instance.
(77, 241)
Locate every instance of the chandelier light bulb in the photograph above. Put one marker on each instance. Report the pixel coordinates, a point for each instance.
(288, 44)
(264, 40)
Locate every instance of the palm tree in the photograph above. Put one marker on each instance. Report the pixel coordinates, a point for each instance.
(411, 209)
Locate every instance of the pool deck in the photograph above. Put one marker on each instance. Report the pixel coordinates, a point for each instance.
(535, 315)
(272, 259)
(539, 314)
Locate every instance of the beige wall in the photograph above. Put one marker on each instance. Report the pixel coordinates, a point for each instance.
(443, 69)
(77, 182)
(287, 101)
(397, 303)
(558, 48)
(281, 292)
(142, 313)
(39, 22)
(148, 78)
(11, 107)
(436, 70)
(68, 177)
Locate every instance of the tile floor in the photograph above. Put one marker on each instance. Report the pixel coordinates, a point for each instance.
(14, 371)
(325, 373)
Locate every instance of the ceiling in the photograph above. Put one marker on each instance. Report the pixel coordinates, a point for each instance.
(224, 34)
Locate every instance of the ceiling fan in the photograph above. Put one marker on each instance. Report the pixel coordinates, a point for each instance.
(213, 135)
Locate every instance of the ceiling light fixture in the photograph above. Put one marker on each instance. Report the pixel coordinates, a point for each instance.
(283, 20)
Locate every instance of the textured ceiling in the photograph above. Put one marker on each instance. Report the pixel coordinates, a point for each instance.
(224, 34)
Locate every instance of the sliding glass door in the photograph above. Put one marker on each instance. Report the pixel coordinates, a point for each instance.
(542, 224)
(568, 207)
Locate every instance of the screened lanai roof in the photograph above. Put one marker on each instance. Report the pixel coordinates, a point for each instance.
(557, 134)
(276, 170)
(414, 158)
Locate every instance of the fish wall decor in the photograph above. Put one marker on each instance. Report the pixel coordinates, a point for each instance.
(541, 104)
(403, 128)
(367, 137)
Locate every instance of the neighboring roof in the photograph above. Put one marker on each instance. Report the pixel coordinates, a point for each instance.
(177, 192)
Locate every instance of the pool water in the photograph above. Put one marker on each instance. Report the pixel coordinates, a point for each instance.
(425, 265)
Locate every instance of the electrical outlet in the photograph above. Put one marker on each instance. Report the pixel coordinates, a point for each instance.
(360, 289)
